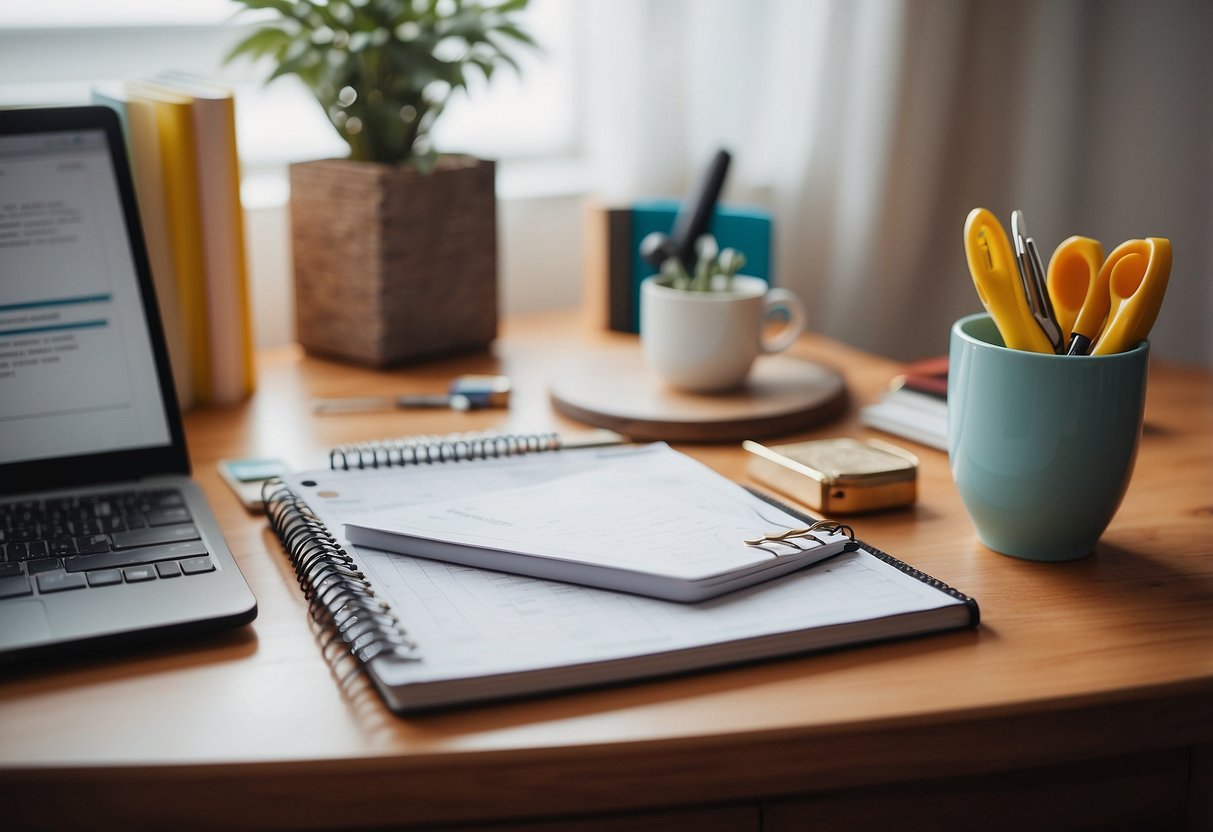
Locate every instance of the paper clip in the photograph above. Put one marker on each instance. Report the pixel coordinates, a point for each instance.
(826, 526)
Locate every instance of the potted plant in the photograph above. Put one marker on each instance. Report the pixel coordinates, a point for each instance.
(714, 268)
(701, 331)
(395, 248)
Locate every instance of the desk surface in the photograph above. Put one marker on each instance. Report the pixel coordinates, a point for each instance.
(1111, 655)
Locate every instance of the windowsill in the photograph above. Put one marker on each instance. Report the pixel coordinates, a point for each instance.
(267, 187)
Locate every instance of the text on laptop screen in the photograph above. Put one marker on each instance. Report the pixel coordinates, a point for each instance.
(77, 371)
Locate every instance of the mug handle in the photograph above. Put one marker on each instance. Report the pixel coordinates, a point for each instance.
(782, 299)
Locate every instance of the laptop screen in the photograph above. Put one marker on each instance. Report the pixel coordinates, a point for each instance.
(78, 371)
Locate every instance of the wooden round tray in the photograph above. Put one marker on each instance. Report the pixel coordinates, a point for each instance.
(611, 388)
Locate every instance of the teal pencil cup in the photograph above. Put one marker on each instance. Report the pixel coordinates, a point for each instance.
(1041, 446)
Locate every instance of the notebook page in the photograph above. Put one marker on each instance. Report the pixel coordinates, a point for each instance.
(351, 496)
(471, 622)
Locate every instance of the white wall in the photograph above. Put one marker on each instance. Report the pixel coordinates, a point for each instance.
(268, 252)
(540, 257)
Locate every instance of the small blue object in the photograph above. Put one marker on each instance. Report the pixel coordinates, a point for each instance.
(744, 228)
(255, 470)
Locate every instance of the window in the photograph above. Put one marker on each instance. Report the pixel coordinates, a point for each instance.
(54, 53)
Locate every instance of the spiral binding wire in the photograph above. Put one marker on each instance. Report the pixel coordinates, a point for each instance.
(424, 450)
(353, 621)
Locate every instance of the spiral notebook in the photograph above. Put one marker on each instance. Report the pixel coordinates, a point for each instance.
(434, 634)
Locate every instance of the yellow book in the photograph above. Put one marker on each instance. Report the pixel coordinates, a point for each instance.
(143, 143)
(230, 326)
(173, 116)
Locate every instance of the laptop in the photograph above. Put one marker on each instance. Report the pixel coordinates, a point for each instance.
(104, 539)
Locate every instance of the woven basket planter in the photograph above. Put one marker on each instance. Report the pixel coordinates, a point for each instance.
(393, 266)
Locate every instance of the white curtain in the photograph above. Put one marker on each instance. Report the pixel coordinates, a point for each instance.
(871, 127)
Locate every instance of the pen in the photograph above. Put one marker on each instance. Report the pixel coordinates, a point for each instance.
(1039, 280)
(470, 392)
(1032, 275)
(695, 216)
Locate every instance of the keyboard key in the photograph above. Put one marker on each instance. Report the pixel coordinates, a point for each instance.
(27, 551)
(167, 516)
(137, 574)
(167, 499)
(23, 533)
(153, 536)
(168, 569)
(58, 548)
(132, 557)
(62, 505)
(196, 566)
(15, 587)
(112, 524)
(58, 531)
(59, 581)
(93, 544)
(104, 577)
(10, 570)
(43, 565)
(90, 527)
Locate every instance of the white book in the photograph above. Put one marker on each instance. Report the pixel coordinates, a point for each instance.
(908, 413)
(222, 216)
(646, 520)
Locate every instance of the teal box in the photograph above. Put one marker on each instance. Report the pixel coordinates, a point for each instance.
(744, 228)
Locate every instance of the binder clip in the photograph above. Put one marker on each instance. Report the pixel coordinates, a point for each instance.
(824, 526)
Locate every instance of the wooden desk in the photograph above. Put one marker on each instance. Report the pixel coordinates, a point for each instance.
(1085, 698)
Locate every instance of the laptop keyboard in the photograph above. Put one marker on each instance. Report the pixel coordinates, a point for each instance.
(99, 540)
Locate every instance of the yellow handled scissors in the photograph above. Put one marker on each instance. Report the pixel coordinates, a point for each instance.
(1138, 271)
(1078, 288)
(992, 265)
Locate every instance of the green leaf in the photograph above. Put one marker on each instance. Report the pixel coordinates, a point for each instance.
(260, 43)
(507, 58)
(486, 67)
(303, 62)
(283, 7)
(512, 31)
(511, 6)
(318, 13)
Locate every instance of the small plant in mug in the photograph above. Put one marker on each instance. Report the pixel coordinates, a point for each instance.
(711, 262)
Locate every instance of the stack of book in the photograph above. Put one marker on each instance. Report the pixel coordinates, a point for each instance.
(915, 405)
(181, 135)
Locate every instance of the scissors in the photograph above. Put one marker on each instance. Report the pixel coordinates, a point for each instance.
(996, 276)
(1078, 288)
(1138, 271)
(1032, 276)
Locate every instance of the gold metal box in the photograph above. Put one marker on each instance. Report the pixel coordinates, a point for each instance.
(837, 476)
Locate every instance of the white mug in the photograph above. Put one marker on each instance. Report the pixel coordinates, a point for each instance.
(706, 342)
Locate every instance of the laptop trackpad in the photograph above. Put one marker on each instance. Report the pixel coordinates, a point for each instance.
(24, 622)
